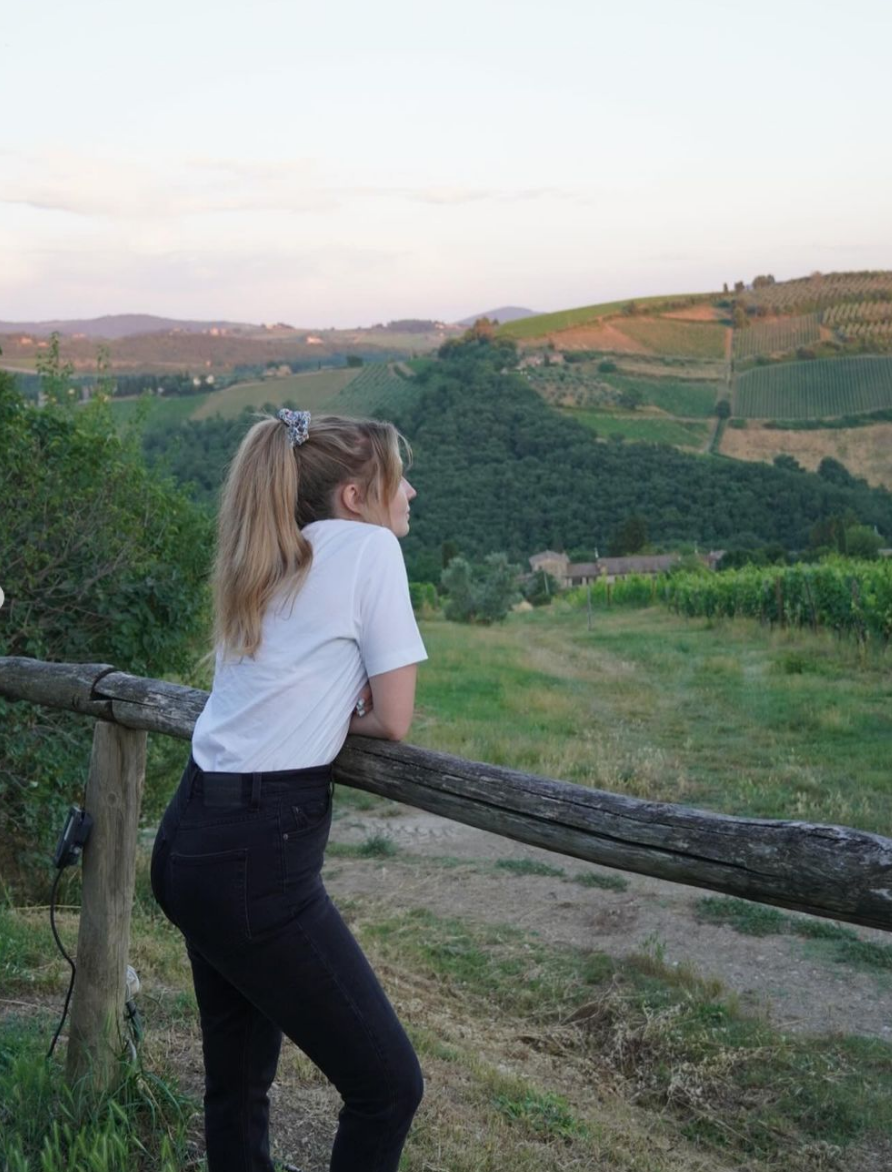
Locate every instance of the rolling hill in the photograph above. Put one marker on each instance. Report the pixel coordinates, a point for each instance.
(120, 325)
(815, 350)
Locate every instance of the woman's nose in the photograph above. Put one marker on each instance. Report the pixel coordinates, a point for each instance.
(410, 491)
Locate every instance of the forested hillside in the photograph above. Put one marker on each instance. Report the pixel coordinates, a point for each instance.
(496, 468)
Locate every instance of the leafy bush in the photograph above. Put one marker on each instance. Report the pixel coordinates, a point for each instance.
(482, 592)
(424, 597)
(540, 588)
(102, 562)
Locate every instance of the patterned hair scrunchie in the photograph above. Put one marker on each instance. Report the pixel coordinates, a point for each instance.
(298, 424)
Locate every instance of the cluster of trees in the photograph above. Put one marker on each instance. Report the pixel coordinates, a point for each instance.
(482, 592)
(179, 382)
(411, 325)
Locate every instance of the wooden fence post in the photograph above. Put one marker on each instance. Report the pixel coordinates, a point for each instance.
(114, 791)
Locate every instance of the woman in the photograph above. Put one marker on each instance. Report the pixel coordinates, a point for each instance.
(314, 639)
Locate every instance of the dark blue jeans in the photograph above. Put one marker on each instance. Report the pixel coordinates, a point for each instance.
(236, 866)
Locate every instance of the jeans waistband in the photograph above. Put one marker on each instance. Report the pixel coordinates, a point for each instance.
(247, 789)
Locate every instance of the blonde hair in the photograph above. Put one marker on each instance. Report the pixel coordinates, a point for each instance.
(271, 492)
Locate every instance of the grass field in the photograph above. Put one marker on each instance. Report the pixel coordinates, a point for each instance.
(865, 451)
(547, 323)
(311, 392)
(536, 1057)
(642, 428)
(674, 396)
(727, 716)
(813, 390)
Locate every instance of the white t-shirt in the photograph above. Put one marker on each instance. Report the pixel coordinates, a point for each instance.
(289, 706)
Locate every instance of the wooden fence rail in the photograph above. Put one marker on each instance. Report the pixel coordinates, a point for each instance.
(831, 871)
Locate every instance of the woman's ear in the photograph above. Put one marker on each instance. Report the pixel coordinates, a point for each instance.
(350, 501)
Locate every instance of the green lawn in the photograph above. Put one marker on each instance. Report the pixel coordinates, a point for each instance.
(727, 716)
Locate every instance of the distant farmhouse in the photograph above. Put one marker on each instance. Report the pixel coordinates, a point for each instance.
(568, 573)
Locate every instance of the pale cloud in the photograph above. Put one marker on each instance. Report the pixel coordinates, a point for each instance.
(463, 195)
(133, 189)
(127, 189)
(447, 195)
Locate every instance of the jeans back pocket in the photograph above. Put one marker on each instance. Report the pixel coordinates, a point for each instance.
(209, 898)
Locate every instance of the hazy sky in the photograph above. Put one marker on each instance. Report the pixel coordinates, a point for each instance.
(353, 163)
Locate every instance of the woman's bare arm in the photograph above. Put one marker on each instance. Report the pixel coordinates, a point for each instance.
(393, 704)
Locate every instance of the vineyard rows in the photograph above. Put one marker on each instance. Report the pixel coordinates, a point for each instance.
(821, 290)
(815, 389)
(846, 596)
(858, 311)
(776, 337)
(375, 387)
(866, 329)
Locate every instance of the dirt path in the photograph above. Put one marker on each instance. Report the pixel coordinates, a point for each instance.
(789, 978)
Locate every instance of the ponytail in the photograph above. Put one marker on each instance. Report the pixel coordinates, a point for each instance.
(272, 490)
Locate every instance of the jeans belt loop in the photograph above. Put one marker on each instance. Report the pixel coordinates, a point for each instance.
(194, 770)
(255, 791)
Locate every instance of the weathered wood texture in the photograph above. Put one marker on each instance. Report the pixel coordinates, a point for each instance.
(829, 871)
(100, 690)
(114, 791)
(57, 685)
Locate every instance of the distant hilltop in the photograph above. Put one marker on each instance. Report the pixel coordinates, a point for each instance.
(123, 325)
(114, 326)
(504, 314)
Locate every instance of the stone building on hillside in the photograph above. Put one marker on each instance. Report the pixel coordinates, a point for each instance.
(552, 563)
(613, 568)
(568, 573)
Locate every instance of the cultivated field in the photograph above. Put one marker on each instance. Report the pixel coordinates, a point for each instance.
(776, 337)
(606, 337)
(377, 390)
(849, 312)
(822, 289)
(814, 389)
(549, 323)
(584, 385)
(664, 336)
(357, 391)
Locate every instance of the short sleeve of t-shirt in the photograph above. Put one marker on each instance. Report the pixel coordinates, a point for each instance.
(388, 635)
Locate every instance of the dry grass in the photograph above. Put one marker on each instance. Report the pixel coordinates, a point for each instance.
(606, 336)
(865, 451)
